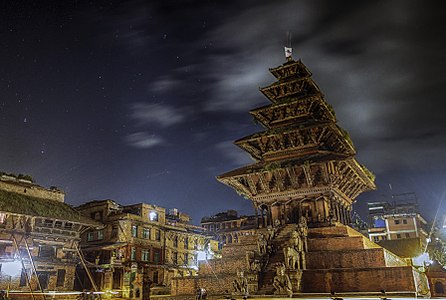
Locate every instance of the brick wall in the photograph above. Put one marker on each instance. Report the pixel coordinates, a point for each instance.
(359, 280)
(336, 243)
(32, 190)
(346, 259)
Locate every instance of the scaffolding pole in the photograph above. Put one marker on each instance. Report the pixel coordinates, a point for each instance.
(28, 280)
(95, 288)
(34, 268)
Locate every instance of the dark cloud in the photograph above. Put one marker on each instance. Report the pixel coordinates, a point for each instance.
(177, 78)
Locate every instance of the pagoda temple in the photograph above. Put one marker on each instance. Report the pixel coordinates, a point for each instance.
(305, 163)
(302, 184)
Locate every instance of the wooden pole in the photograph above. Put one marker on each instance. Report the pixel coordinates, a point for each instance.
(34, 268)
(93, 283)
(28, 281)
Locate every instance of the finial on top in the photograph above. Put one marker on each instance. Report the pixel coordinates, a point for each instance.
(288, 52)
(288, 49)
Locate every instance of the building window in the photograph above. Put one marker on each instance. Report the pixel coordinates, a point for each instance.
(196, 245)
(134, 231)
(175, 258)
(153, 216)
(396, 222)
(100, 234)
(146, 233)
(48, 223)
(376, 238)
(404, 221)
(133, 253)
(156, 256)
(47, 251)
(186, 243)
(407, 235)
(398, 236)
(60, 277)
(145, 255)
(155, 277)
(175, 241)
(158, 235)
(186, 258)
(115, 230)
(90, 236)
(68, 225)
(196, 258)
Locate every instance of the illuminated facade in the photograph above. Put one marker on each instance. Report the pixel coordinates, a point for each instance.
(141, 246)
(228, 226)
(39, 237)
(399, 226)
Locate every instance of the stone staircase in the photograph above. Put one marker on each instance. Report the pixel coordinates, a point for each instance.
(279, 241)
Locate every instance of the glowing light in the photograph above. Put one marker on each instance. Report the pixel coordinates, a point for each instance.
(422, 260)
(12, 268)
(153, 216)
(201, 255)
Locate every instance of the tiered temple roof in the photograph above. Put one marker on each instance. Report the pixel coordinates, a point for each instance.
(302, 151)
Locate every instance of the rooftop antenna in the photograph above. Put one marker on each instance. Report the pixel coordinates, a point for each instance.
(288, 49)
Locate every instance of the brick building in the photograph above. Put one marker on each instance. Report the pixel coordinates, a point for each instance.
(398, 226)
(397, 220)
(141, 246)
(39, 236)
(228, 226)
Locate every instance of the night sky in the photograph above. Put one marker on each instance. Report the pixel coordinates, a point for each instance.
(139, 101)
